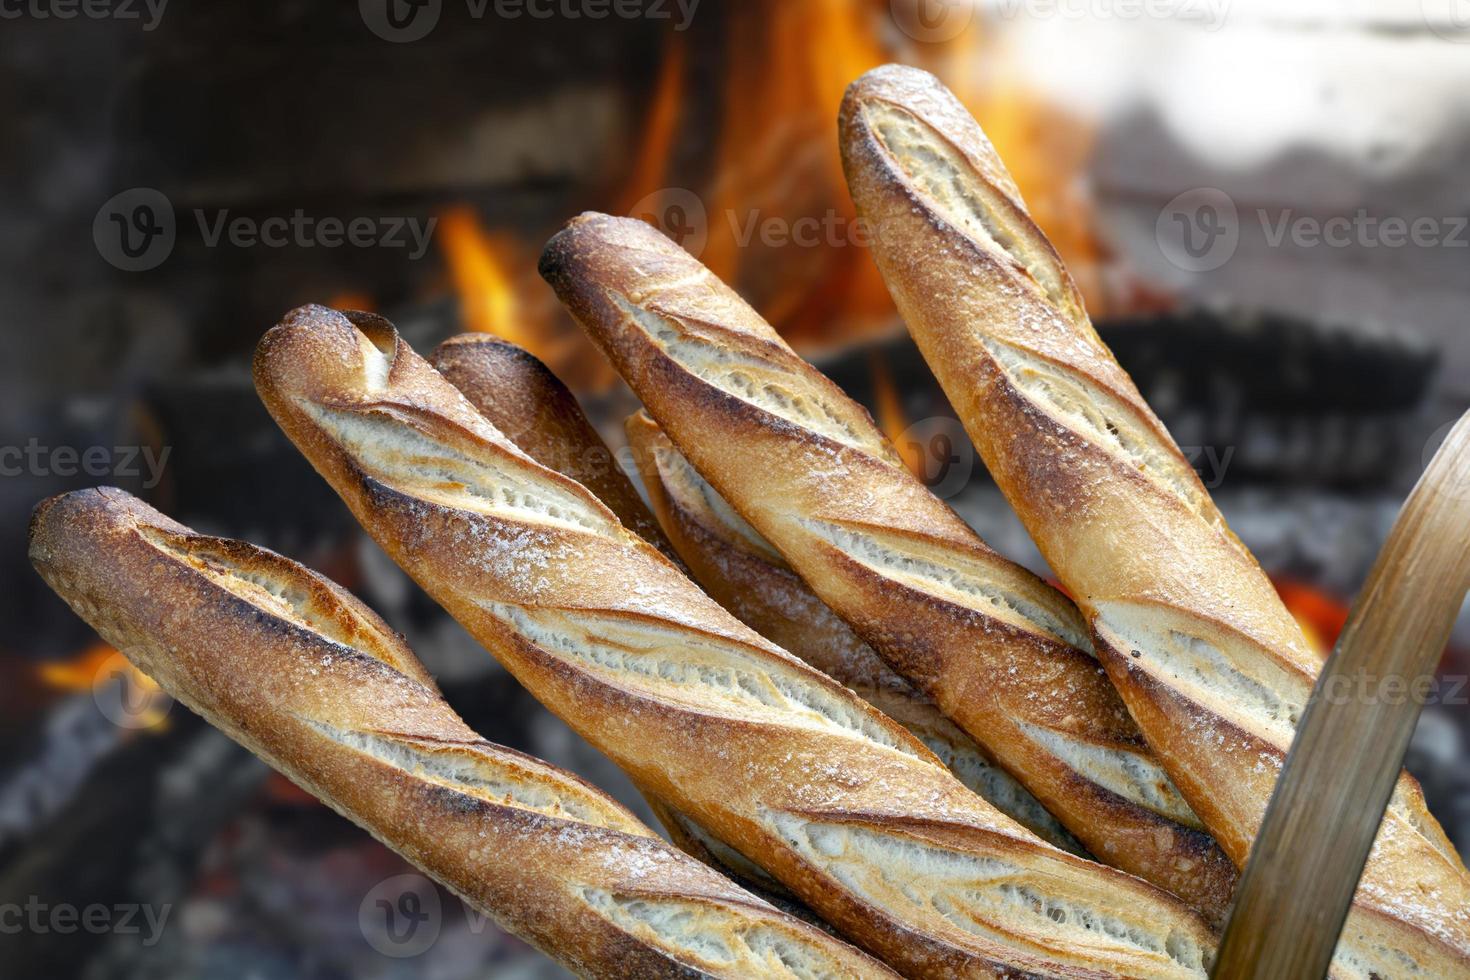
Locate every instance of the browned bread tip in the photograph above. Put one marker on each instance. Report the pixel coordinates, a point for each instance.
(1210, 662)
(839, 803)
(1001, 653)
(304, 675)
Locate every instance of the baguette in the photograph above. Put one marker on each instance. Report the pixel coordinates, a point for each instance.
(741, 571)
(843, 806)
(305, 676)
(1002, 654)
(529, 404)
(1191, 631)
(522, 398)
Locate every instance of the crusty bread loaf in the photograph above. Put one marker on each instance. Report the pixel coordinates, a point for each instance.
(1002, 654)
(741, 571)
(840, 804)
(528, 403)
(1211, 664)
(301, 673)
(525, 400)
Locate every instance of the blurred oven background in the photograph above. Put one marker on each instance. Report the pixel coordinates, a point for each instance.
(1264, 203)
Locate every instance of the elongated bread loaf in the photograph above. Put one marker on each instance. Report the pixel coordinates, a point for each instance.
(741, 571)
(301, 673)
(529, 404)
(1002, 654)
(1211, 664)
(840, 804)
(522, 398)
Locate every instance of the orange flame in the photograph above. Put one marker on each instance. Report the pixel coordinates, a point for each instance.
(98, 663)
(494, 275)
(657, 143)
(776, 165)
(350, 299)
(80, 672)
(1320, 615)
(891, 417)
(479, 264)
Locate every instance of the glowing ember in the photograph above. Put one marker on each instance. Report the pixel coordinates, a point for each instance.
(1321, 616)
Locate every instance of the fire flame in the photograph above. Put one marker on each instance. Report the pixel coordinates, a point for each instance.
(775, 166)
(494, 275)
(891, 417)
(1320, 615)
(351, 299)
(99, 664)
(479, 263)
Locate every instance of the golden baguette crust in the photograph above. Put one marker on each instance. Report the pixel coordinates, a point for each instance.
(1212, 665)
(840, 804)
(1002, 654)
(300, 672)
(745, 574)
(528, 403)
(525, 400)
